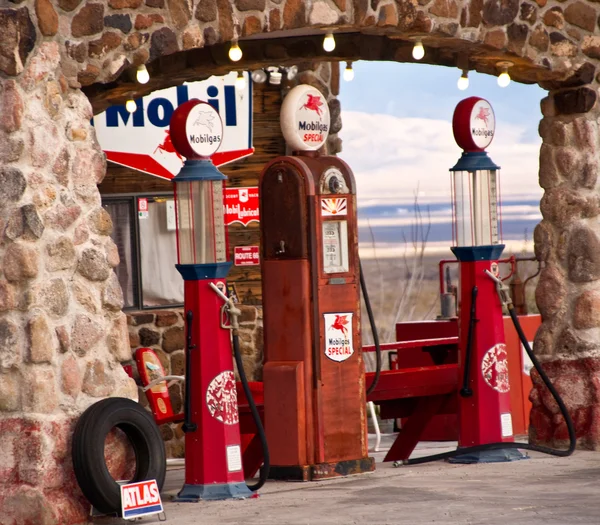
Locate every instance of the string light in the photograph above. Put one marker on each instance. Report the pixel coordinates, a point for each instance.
(329, 42)
(348, 72)
(463, 81)
(142, 74)
(504, 77)
(418, 51)
(131, 106)
(240, 81)
(235, 53)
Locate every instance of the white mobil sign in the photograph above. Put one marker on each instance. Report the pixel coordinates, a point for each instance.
(305, 118)
(141, 140)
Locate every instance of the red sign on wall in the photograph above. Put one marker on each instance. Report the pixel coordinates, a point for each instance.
(241, 205)
(246, 256)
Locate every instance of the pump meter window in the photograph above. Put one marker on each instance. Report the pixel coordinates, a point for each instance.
(335, 246)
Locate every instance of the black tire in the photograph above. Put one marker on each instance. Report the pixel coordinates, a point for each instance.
(95, 423)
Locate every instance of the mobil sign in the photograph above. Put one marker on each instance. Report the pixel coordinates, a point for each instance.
(140, 140)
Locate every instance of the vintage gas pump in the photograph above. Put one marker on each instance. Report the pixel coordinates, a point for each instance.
(213, 461)
(314, 382)
(484, 403)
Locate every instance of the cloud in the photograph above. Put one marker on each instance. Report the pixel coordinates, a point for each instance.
(393, 157)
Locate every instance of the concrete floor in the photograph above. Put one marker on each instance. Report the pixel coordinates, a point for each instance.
(541, 490)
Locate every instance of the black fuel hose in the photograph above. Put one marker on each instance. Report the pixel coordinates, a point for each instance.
(524, 446)
(363, 287)
(264, 470)
(466, 391)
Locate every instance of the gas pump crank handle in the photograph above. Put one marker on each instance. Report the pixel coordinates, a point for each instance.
(158, 380)
(501, 288)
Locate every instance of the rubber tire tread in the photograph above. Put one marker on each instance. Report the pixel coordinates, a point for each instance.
(87, 451)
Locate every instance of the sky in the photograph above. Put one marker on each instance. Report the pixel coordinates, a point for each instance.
(397, 137)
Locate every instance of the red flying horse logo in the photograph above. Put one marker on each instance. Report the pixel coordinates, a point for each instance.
(484, 114)
(313, 103)
(340, 324)
(167, 146)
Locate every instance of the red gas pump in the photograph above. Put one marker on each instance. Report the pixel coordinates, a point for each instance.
(484, 403)
(315, 406)
(213, 463)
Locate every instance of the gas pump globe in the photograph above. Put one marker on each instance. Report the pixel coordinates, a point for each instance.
(475, 200)
(199, 209)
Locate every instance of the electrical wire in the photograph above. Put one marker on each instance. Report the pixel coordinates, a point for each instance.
(264, 470)
(363, 287)
(524, 446)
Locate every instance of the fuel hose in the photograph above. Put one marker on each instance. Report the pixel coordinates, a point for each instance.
(365, 294)
(524, 446)
(264, 470)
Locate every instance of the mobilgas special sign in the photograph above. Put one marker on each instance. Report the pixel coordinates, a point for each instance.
(141, 140)
(305, 118)
(338, 336)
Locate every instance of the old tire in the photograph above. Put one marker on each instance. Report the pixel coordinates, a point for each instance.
(89, 464)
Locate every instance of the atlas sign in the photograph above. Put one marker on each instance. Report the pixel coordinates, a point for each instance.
(141, 140)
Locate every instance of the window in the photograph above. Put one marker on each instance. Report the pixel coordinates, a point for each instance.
(147, 246)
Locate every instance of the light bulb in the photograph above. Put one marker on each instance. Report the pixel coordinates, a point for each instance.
(130, 105)
(258, 76)
(235, 53)
(142, 74)
(463, 81)
(348, 72)
(503, 78)
(292, 72)
(240, 82)
(329, 42)
(418, 51)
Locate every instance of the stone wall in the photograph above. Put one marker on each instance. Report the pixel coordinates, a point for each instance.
(163, 331)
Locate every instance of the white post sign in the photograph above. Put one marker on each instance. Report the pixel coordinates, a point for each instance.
(141, 140)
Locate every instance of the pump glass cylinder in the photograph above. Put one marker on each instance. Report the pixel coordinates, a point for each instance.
(475, 207)
(200, 222)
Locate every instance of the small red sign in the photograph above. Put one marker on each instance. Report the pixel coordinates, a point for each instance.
(142, 204)
(246, 256)
(241, 205)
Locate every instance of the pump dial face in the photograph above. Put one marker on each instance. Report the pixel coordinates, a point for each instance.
(332, 181)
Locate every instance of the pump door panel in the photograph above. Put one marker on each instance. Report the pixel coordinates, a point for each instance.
(283, 214)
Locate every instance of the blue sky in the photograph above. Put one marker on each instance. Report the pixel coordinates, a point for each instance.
(397, 137)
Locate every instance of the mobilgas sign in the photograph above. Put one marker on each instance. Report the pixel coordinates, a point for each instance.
(141, 140)
(305, 118)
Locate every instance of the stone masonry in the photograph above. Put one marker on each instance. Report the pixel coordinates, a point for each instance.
(62, 332)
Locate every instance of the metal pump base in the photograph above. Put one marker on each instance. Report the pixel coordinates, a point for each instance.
(195, 493)
(489, 456)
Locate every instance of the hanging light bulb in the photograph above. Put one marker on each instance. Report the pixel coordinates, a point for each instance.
(348, 72)
(240, 81)
(258, 76)
(329, 42)
(291, 72)
(130, 105)
(463, 81)
(142, 74)
(503, 77)
(418, 51)
(235, 53)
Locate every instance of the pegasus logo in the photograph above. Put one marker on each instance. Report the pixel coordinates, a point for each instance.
(484, 115)
(167, 146)
(340, 323)
(313, 103)
(204, 118)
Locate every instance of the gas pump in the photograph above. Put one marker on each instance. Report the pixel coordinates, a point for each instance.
(485, 422)
(314, 382)
(213, 463)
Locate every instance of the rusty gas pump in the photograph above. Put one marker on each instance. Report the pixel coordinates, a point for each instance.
(314, 382)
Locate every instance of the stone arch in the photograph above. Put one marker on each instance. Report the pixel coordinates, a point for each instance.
(62, 332)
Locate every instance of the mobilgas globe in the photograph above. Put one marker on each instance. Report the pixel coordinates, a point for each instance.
(204, 129)
(305, 118)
